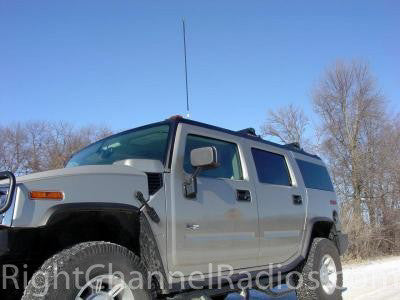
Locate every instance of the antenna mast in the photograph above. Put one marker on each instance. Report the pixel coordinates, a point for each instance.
(186, 73)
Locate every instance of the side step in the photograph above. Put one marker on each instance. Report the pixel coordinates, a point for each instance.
(203, 294)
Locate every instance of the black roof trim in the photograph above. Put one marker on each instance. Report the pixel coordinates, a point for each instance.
(245, 135)
(294, 145)
(249, 131)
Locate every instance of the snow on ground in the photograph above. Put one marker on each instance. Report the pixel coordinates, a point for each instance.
(377, 280)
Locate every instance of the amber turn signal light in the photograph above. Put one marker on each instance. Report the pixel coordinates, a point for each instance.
(46, 195)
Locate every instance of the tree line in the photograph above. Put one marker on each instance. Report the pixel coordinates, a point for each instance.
(34, 146)
(359, 138)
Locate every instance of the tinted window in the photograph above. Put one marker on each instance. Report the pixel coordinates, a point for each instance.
(315, 176)
(271, 167)
(148, 143)
(227, 153)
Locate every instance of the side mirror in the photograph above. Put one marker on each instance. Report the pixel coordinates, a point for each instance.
(201, 159)
(204, 158)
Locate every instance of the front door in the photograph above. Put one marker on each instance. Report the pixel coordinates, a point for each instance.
(220, 225)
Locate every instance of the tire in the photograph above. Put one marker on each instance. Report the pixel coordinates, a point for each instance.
(45, 285)
(311, 287)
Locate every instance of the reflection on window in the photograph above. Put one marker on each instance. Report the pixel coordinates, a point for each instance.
(227, 154)
(146, 143)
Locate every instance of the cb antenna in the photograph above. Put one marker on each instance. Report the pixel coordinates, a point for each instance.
(186, 72)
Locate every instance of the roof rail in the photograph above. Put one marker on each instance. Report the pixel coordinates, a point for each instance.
(249, 131)
(294, 145)
(175, 117)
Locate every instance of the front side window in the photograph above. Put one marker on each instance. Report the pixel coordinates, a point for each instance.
(271, 167)
(227, 153)
(141, 143)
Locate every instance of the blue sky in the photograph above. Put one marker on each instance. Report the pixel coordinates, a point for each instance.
(120, 63)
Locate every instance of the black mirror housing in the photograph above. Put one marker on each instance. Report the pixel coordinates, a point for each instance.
(190, 187)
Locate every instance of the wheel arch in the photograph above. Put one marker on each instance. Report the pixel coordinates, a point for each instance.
(69, 224)
(320, 227)
(122, 224)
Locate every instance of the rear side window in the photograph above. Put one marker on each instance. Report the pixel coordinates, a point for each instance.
(271, 167)
(228, 157)
(315, 176)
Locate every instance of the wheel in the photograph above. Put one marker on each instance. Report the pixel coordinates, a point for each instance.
(90, 271)
(322, 277)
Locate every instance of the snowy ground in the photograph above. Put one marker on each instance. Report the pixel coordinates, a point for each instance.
(378, 279)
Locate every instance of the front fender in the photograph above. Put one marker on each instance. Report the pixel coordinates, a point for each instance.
(89, 186)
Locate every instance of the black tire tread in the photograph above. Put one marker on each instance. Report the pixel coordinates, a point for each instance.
(304, 291)
(73, 254)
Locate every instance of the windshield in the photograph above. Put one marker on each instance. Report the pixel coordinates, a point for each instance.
(146, 143)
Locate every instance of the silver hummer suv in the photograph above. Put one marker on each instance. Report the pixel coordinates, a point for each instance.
(185, 208)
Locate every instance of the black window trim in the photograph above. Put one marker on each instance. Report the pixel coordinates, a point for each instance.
(286, 165)
(221, 140)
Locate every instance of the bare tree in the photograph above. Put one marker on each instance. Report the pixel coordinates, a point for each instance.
(288, 124)
(63, 140)
(361, 143)
(348, 103)
(13, 150)
(36, 133)
(38, 146)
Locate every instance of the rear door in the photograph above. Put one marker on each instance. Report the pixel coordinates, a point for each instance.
(320, 192)
(281, 200)
(219, 226)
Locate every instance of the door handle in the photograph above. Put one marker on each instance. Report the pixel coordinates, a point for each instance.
(297, 200)
(243, 195)
(192, 227)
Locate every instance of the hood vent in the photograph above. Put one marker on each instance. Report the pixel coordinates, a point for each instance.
(155, 181)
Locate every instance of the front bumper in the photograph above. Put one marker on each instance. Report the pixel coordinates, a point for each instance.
(4, 249)
(15, 261)
(16, 244)
(342, 241)
(7, 245)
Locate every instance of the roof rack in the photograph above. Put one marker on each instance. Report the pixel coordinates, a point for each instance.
(294, 145)
(175, 117)
(248, 131)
